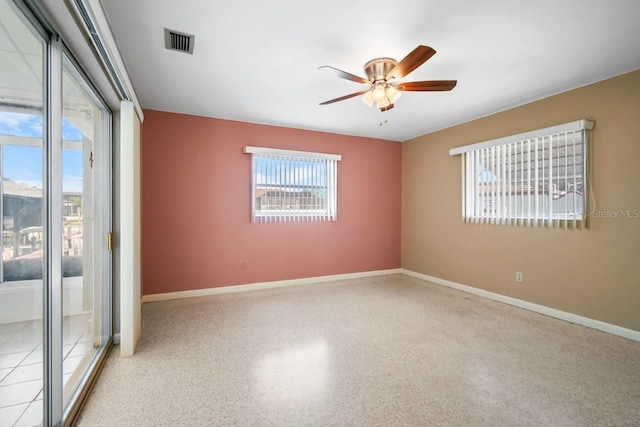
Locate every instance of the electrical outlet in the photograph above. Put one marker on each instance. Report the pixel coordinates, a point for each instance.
(518, 276)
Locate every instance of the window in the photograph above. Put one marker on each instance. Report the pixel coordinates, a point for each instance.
(290, 186)
(534, 179)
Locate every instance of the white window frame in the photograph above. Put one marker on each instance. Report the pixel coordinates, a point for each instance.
(329, 182)
(517, 180)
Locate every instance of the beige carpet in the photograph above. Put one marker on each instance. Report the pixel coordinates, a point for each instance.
(382, 351)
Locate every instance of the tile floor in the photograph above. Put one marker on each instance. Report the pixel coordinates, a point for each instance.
(21, 366)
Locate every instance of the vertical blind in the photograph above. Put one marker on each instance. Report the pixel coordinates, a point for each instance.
(293, 186)
(537, 178)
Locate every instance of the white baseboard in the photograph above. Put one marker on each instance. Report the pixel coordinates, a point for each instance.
(552, 312)
(265, 285)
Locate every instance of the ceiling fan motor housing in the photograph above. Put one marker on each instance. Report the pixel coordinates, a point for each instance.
(377, 69)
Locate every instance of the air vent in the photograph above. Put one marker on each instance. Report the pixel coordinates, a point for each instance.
(181, 42)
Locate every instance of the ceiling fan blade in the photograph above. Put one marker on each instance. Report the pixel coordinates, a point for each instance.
(413, 60)
(345, 75)
(427, 86)
(342, 98)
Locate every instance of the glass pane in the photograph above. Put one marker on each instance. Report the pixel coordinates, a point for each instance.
(83, 141)
(21, 209)
(21, 213)
(290, 186)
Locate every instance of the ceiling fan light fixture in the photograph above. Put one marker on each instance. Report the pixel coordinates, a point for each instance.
(381, 95)
(367, 98)
(393, 94)
(384, 102)
(379, 91)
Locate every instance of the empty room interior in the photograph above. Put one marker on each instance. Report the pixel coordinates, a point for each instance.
(334, 213)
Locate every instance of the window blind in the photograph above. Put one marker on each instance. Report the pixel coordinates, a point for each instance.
(293, 186)
(533, 179)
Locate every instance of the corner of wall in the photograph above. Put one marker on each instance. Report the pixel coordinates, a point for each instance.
(128, 239)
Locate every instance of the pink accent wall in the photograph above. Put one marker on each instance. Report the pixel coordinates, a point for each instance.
(196, 228)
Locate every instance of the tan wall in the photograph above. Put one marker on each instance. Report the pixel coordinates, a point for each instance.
(593, 273)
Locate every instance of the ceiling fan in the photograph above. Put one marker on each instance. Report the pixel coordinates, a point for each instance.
(382, 75)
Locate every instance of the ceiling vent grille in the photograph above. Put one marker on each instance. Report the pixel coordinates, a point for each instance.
(181, 42)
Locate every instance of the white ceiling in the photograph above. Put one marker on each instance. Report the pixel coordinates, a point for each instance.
(256, 61)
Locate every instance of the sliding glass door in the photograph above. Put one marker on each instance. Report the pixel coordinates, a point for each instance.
(85, 226)
(55, 163)
(22, 113)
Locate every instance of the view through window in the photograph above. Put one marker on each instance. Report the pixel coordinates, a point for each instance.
(293, 185)
(21, 204)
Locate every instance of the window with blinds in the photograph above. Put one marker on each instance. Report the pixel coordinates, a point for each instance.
(291, 186)
(536, 178)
